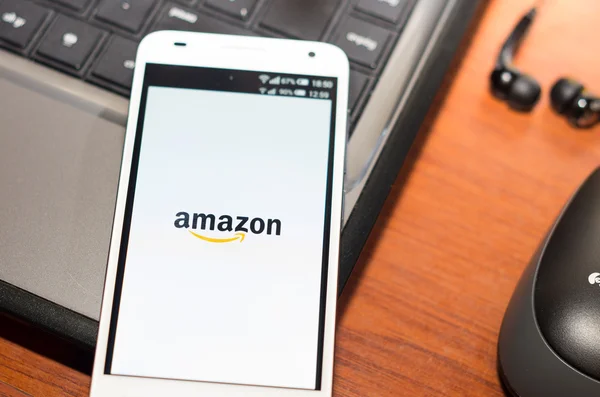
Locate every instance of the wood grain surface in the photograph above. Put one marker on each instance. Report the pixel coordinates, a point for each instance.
(421, 314)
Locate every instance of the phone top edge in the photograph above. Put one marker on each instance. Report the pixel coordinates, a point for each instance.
(243, 53)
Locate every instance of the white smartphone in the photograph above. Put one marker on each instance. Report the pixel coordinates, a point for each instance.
(223, 265)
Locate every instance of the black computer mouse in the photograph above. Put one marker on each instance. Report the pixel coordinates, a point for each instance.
(549, 344)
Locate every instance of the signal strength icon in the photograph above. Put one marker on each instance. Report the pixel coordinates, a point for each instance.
(272, 91)
(264, 78)
(262, 90)
(275, 80)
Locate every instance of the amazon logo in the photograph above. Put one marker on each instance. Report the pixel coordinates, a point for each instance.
(230, 228)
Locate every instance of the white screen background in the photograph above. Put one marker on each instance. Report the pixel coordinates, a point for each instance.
(245, 313)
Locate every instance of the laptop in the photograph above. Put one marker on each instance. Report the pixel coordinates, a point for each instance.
(65, 74)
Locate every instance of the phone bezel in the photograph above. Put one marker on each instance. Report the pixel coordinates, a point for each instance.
(241, 53)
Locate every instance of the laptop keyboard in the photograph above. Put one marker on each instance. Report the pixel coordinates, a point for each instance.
(96, 40)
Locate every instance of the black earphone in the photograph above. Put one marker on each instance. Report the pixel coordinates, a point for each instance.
(569, 98)
(522, 92)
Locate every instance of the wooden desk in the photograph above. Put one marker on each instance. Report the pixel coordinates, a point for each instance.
(422, 312)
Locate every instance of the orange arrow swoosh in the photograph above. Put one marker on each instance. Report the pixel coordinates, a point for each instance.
(238, 236)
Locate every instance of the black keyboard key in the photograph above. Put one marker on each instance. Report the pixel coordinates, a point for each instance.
(188, 2)
(126, 14)
(389, 10)
(74, 4)
(237, 8)
(70, 42)
(117, 63)
(19, 21)
(302, 19)
(357, 86)
(362, 41)
(179, 18)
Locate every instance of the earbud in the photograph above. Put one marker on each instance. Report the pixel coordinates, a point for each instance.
(569, 98)
(520, 91)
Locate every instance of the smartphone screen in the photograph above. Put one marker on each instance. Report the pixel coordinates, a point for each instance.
(222, 270)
